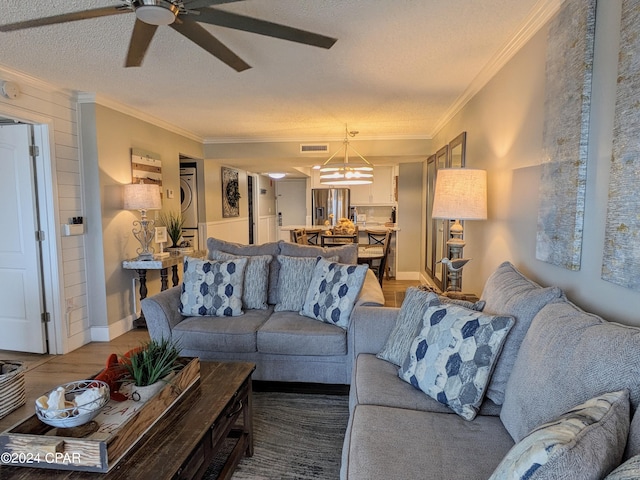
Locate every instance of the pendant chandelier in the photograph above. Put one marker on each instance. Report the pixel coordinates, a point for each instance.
(359, 172)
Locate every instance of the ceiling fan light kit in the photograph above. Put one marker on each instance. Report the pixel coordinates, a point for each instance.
(183, 16)
(156, 12)
(346, 173)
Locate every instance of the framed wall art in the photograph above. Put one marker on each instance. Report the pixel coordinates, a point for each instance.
(621, 256)
(146, 167)
(230, 193)
(563, 177)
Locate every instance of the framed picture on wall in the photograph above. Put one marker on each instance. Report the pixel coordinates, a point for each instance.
(230, 193)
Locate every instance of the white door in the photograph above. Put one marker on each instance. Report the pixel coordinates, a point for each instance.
(291, 198)
(20, 284)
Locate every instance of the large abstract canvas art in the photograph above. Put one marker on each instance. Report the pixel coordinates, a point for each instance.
(569, 67)
(621, 257)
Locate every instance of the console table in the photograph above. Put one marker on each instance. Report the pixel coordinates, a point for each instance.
(158, 263)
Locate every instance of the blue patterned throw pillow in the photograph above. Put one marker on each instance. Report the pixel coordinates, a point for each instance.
(212, 288)
(333, 291)
(453, 355)
(255, 289)
(586, 442)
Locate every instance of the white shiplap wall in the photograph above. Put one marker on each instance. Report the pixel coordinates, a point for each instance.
(60, 192)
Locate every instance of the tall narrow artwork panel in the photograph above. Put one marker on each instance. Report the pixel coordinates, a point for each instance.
(569, 69)
(621, 257)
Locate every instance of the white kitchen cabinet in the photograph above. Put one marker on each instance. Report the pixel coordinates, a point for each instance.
(380, 192)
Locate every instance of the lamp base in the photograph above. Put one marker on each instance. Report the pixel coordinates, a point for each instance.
(145, 256)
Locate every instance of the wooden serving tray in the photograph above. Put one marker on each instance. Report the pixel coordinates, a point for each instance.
(31, 443)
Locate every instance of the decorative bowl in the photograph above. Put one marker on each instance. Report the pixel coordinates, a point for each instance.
(75, 415)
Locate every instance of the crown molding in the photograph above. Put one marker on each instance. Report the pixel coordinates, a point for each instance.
(85, 97)
(231, 140)
(8, 73)
(540, 14)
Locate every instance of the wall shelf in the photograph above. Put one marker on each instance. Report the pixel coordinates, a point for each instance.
(71, 229)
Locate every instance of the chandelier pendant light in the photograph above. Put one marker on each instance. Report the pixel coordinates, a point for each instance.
(359, 172)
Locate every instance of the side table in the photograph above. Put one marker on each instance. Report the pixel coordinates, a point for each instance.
(158, 263)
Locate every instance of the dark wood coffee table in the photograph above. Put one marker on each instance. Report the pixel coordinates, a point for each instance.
(182, 444)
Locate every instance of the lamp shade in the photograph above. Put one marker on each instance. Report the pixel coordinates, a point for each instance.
(460, 194)
(142, 196)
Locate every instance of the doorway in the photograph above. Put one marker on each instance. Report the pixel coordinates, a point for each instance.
(251, 206)
(22, 318)
(291, 198)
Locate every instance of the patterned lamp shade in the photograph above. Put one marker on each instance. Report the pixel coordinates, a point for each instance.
(460, 194)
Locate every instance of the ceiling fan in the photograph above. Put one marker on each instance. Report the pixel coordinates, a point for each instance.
(182, 16)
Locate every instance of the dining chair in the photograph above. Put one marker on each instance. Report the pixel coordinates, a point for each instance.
(300, 236)
(378, 263)
(376, 237)
(313, 235)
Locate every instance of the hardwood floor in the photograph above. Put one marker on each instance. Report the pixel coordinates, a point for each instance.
(394, 291)
(46, 371)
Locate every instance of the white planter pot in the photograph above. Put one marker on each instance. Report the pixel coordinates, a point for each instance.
(143, 394)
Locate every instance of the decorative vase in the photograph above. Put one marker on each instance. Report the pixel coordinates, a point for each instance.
(144, 393)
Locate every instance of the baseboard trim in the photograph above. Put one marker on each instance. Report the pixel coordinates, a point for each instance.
(407, 275)
(113, 330)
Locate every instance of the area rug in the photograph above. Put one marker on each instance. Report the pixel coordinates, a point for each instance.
(296, 437)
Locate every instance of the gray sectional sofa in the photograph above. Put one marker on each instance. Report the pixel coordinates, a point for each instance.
(537, 420)
(284, 345)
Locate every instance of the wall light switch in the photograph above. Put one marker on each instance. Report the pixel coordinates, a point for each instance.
(169, 192)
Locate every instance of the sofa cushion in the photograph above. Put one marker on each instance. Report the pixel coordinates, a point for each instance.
(220, 334)
(453, 355)
(271, 248)
(376, 382)
(629, 470)
(333, 291)
(568, 357)
(289, 333)
(394, 443)
(633, 442)
(509, 292)
(477, 306)
(413, 306)
(371, 294)
(294, 280)
(212, 287)
(587, 442)
(346, 253)
(255, 288)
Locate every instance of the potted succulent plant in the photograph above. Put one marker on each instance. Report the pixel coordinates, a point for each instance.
(174, 223)
(151, 366)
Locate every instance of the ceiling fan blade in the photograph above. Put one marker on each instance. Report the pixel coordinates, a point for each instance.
(193, 4)
(201, 37)
(67, 17)
(140, 40)
(263, 27)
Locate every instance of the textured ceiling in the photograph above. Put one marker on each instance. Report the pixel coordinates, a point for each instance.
(397, 66)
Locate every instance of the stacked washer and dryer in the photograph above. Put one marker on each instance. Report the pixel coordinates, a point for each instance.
(189, 207)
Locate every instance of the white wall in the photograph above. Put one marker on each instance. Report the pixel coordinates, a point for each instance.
(60, 198)
(107, 139)
(504, 124)
(409, 243)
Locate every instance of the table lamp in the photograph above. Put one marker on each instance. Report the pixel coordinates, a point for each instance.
(460, 194)
(143, 197)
